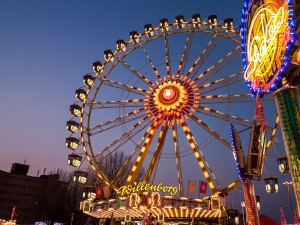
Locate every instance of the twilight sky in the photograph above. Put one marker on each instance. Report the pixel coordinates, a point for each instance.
(45, 49)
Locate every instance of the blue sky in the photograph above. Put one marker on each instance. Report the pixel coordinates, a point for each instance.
(45, 49)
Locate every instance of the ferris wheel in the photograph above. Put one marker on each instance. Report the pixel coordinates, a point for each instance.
(165, 99)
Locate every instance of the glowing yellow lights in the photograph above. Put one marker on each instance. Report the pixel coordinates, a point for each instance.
(143, 186)
(82, 180)
(155, 199)
(72, 143)
(72, 126)
(91, 196)
(88, 80)
(134, 168)
(129, 178)
(265, 43)
(169, 96)
(74, 162)
(75, 110)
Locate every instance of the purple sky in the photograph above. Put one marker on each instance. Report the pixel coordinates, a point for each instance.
(45, 49)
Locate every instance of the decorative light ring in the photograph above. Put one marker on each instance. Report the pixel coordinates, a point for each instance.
(169, 96)
(172, 90)
(272, 42)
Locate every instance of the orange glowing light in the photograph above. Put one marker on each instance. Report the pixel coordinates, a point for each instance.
(266, 42)
(168, 94)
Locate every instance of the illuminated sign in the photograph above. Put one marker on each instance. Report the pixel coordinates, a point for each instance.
(266, 42)
(143, 186)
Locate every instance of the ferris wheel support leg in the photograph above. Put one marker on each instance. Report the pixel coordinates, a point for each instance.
(250, 204)
(287, 103)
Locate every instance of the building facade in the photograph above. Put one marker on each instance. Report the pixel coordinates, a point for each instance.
(34, 198)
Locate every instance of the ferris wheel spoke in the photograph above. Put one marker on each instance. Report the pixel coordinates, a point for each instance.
(159, 147)
(140, 76)
(221, 64)
(223, 116)
(116, 122)
(149, 135)
(210, 130)
(204, 55)
(125, 87)
(102, 175)
(230, 118)
(131, 103)
(168, 61)
(272, 131)
(218, 84)
(231, 186)
(178, 158)
(155, 169)
(187, 47)
(152, 65)
(123, 172)
(207, 172)
(124, 137)
(235, 98)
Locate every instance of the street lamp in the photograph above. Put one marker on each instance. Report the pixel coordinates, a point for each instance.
(257, 202)
(243, 204)
(289, 191)
(233, 216)
(271, 184)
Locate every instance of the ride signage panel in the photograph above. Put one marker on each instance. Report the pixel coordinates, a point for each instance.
(267, 37)
(143, 186)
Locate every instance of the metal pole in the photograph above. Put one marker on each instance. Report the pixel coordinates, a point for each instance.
(72, 215)
(243, 211)
(289, 192)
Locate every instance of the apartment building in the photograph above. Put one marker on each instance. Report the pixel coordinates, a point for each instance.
(35, 198)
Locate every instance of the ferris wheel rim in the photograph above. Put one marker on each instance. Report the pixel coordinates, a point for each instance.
(91, 156)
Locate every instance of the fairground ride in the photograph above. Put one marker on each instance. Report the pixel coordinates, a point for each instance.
(271, 64)
(165, 99)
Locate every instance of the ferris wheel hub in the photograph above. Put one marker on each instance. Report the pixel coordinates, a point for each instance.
(168, 94)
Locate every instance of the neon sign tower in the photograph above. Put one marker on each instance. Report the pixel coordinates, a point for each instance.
(268, 43)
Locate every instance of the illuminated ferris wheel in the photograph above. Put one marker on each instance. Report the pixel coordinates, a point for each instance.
(165, 99)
